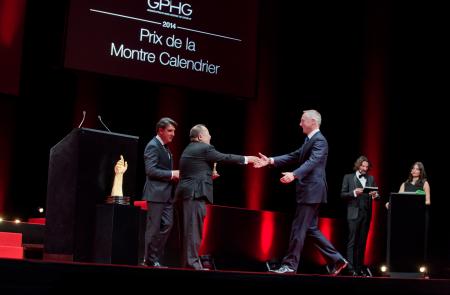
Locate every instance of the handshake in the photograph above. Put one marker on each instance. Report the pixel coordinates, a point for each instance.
(260, 161)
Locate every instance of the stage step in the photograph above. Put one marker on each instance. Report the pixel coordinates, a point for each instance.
(11, 245)
(10, 239)
(11, 252)
(37, 220)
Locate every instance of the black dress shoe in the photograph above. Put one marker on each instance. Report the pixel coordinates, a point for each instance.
(153, 264)
(365, 272)
(157, 264)
(338, 267)
(198, 267)
(284, 269)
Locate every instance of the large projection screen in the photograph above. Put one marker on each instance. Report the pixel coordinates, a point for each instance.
(207, 45)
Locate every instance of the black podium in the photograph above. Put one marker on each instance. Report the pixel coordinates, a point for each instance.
(406, 234)
(80, 176)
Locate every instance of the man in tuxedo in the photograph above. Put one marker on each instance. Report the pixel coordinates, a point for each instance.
(311, 191)
(159, 191)
(359, 212)
(196, 188)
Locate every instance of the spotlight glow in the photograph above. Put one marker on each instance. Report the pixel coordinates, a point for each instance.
(423, 269)
(17, 220)
(383, 268)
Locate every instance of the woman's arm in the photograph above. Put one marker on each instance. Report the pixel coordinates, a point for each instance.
(426, 188)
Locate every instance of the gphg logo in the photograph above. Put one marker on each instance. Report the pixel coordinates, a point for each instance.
(183, 9)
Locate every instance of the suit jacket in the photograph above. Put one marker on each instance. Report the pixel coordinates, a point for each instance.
(310, 178)
(356, 204)
(196, 165)
(158, 168)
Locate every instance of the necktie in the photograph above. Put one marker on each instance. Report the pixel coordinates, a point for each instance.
(363, 176)
(167, 150)
(306, 139)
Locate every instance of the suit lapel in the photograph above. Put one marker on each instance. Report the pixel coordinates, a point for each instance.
(165, 152)
(307, 145)
(358, 183)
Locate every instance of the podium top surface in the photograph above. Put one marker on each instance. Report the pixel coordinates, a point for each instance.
(407, 201)
(104, 132)
(407, 194)
(76, 132)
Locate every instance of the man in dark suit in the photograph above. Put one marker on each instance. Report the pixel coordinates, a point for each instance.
(311, 191)
(159, 191)
(196, 188)
(359, 212)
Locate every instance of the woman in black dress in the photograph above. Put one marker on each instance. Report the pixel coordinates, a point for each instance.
(417, 182)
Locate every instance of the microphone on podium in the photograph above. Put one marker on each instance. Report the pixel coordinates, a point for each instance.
(104, 125)
(82, 120)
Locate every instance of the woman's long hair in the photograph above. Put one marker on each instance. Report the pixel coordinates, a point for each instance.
(422, 175)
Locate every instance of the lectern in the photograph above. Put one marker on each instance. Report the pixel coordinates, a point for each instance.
(80, 175)
(406, 234)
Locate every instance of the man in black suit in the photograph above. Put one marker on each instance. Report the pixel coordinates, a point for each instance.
(159, 191)
(359, 212)
(196, 188)
(311, 191)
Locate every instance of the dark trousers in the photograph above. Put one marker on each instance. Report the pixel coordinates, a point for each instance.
(194, 213)
(305, 225)
(159, 224)
(358, 230)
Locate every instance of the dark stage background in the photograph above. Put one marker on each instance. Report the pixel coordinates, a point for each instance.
(374, 69)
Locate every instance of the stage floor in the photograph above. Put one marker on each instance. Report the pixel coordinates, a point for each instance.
(46, 277)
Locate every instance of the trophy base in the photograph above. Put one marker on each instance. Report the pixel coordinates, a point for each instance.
(121, 200)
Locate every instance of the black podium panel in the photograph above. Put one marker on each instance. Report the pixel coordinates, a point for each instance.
(406, 233)
(116, 234)
(80, 176)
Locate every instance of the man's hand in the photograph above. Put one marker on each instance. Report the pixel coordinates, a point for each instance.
(215, 174)
(358, 191)
(288, 177)
(374, 195)
(252, 159)
(262, 161)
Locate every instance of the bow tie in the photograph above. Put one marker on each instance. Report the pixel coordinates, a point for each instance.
(363, 175)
